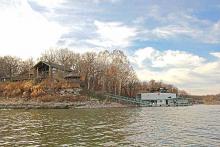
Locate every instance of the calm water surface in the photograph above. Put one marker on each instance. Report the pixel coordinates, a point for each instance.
(169, 126)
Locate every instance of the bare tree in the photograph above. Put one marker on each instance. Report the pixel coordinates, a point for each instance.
(25, 67)
(10, 66)
(49, 56)
(63, 57)
(103, 61)
(88, 68)
(104, 71)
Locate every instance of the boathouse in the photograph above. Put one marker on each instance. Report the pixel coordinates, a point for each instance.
(161, 98)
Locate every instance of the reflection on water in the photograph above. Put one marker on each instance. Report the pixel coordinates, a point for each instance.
(190, 126)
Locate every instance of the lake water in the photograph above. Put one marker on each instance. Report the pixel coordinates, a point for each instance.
(197, 125)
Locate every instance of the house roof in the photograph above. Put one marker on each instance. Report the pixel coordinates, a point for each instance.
(53, 65)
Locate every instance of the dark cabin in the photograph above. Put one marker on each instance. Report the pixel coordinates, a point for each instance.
(45, 69)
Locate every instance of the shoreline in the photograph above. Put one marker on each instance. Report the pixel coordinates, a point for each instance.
(20, 103)
(61, 105)
(66, 105)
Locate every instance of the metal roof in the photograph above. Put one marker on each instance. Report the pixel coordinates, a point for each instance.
(54, 65)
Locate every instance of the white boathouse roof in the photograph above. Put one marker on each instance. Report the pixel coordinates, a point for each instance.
(157, 96)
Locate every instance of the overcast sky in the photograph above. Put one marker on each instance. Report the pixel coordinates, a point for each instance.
(174, 41)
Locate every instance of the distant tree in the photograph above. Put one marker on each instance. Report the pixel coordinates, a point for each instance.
(182, 93)
(2, 72)
(63, 57)
(103, 61)
(10, 66)
(48, 56)
(106, 71)
(26, 65)
(88, 68)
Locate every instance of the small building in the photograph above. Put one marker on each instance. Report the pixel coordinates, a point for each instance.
(45, 69)
(161, 99)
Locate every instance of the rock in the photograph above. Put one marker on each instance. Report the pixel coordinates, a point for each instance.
(69, 91)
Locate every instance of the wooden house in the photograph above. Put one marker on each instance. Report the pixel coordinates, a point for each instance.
(43, 70)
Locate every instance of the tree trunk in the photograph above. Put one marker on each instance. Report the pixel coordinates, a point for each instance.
(88, 83)
(115, 88)
(119, 88)
(50, 72)
(103, 84)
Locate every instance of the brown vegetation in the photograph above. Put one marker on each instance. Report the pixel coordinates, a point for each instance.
(106, 71)
(206, 99)
(45, 90)
(109, 72)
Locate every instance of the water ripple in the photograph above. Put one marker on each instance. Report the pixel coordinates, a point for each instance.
(174, 126)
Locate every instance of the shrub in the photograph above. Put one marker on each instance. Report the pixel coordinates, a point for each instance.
(2, 88)
(31, 89)
(13, 89)
(27, 85)
(37, 91)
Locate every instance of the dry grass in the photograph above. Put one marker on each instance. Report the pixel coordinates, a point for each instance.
(37, 91)
(45, 89)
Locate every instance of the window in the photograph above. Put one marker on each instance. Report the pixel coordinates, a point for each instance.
(138, 95)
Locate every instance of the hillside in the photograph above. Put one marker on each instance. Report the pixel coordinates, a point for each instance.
(109, 72)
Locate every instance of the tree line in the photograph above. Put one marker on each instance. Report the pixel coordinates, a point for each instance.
(105, 71)
(11, 66)
(205, 99)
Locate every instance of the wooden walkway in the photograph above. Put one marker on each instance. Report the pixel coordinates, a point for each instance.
(127, 100)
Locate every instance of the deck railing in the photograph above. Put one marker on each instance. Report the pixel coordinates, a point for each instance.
(139, 102)
(129, 100)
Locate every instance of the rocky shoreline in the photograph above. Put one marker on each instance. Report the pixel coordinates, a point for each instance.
(60, 105)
